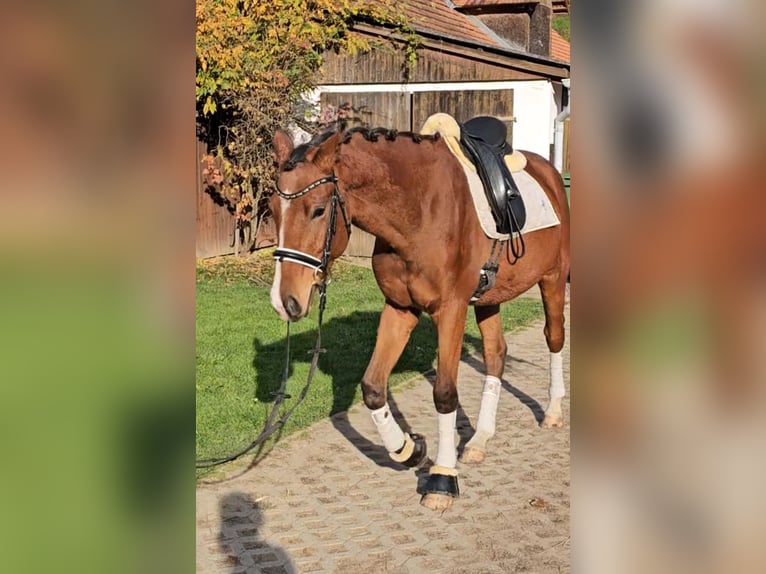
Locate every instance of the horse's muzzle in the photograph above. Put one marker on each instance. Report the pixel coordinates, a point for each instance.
(292, 308)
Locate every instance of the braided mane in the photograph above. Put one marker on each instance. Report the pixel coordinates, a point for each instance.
(369, 134)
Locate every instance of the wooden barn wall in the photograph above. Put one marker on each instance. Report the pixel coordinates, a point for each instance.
(464, 105)
(385, 66)
(404, 111)
(375, 109)
(215, 225)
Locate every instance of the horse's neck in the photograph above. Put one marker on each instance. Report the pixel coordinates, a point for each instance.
(380, 200)
(382, 216)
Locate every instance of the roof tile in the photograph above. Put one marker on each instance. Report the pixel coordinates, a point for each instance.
(560, 48)
(436, 17)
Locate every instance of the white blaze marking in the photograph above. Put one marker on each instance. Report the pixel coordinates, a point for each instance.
(276, 298)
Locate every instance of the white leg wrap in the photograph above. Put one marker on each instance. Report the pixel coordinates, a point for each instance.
(557, 389)
(485, 425)
(488, 410)
(388, 429)
(446, 454)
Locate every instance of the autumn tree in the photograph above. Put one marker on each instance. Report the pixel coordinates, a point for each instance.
(255, 61)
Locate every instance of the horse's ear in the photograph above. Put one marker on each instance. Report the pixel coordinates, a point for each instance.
(323, 156)
(283, 147)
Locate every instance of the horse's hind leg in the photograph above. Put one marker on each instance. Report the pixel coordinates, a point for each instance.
(394, 330)
(495, 348)
(553, 289)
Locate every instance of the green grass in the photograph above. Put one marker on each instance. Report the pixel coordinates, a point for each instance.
(562, 25)
(241, 349)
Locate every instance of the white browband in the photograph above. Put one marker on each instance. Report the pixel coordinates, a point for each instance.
(295, 256)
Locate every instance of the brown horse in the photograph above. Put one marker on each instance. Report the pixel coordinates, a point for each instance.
(411, 193)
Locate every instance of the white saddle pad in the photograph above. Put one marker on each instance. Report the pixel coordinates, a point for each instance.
(540, 212)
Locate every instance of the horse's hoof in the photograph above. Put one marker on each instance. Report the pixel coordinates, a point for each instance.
(437, 502)
(552, 421)
(441, 488)
(472, 455)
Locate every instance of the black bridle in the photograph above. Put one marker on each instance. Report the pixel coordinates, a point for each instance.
(319, 265)
(274, 424)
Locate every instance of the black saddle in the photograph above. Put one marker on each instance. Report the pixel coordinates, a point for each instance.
(484, 140)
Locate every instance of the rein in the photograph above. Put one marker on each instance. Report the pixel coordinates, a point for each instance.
(273, 424)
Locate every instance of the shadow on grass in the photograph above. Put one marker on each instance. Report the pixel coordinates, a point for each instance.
(349, 342)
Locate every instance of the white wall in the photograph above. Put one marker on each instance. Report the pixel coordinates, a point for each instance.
(534, 107)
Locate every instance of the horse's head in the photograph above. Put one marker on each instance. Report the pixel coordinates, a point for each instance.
(311, 218)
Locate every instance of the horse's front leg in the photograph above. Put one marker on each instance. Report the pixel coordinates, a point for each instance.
(394, 330)
(442, 485)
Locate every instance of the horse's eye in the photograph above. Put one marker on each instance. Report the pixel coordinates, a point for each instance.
(318, 212)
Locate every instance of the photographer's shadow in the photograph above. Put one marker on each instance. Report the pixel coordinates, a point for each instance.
(349, 342)
(241, 539)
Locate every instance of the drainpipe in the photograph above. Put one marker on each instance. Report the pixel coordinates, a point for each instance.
(558, 134)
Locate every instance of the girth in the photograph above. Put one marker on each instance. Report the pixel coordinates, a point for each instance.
(484, 140)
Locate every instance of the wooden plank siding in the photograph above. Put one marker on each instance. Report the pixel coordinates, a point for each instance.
(215, 225)
(539, 66)
(385, 66)
(464, 106)
(376, 109)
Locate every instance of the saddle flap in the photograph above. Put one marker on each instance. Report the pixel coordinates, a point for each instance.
(504, 198)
